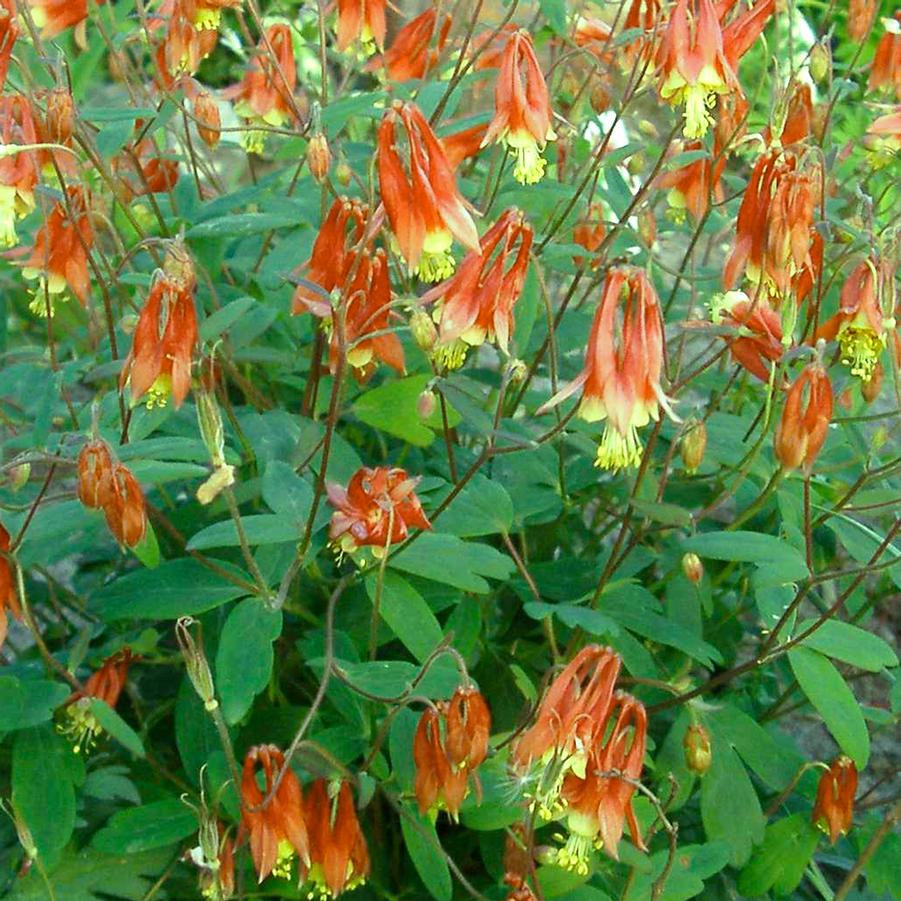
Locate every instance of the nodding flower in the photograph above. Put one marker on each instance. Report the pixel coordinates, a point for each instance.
(9, 34)
(620, 382)
(95, 468)
(861, 15)
(886, 71)
(9, 593)
(278, 831)
(522, 109)
(165, 338)
(339, 857)
(805, 419)
(589, 232)
(833, 810)
(18, 171)
(692, 185)
(205, 15)
(377, 509)
(54, 16)
(598, 803)
(461, 145)
(189, 39)
(79, 723)
(861, 325)
(362, 22)
(409, 56)
(141, 170)
(424, 208)
(59, 258)
(697, 56)
(265, 96)
(757, 341)
(883, 139)
(476, 303)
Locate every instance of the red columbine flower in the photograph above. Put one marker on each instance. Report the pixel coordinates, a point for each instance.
(277, 831)
(124, 508)
(339, 858)
(18, 171)
(9, 34)
(159, 363)
(9, 594)
(590, 233)
(883, 139)
(522, 109)
(265, 97)
(598, 804)
(106, 684)
(833, 811)
(409, 56)
(425, 209)
(476, 304)
(758, 331)
(186, 43)
(141, 170)
(697, 56)
(886, 71)
(860, 326)
(55, 16)
(805, 419)
(691, 186)
(461, 145)
(621, 378)
(205, 15)
(95, 468)
(376, 510)
(59, 257)
(361, 21)
(861, 14)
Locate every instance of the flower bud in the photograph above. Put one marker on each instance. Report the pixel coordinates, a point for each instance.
(178, 265)
(210, 421)
(698, 753)
(821, 63)
(425, 404)
(693, 445)
(600, 98)
(871, 389)
(319, 157)
(647, 227)
(60, 116)
(209, 122)
(692, 567)
(199, 673)
(23, 833)
(423, 330)
(518, 371)
(19, 475)
(343, 173)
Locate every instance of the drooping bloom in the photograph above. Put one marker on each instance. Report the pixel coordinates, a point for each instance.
(861, 14)
(883, 139)
(522, 109)
(621, 378)
(124, 508)
(886, 71)
(409, 56)
(142, 171)
(79, 723)
(424, 208)
(461, 145)
(59, 258)
(799, 116)
(9, 594)
(55, 16)
(860, 326)
(208, 119)
(95, 469)
(692, 185)
(9, 34)
(339, 857)
(589, 233)
(518, 863)
(476, 303)
(697, 56)
(279, 830)
(377, 509)
(189, 38)
(159, 362)
(363, 22)
(598, 804)
(265, 97)
(758, 331)
(205, 15)
(18, 171)
(833, 811)
(468, 727)
(805, 419)
(696, 742)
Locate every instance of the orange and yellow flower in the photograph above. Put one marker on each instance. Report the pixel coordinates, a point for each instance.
(692, 185)
(886, 71)
(9, 593)
(409, 56)
(362, 22)
(55, 16)
(757, 340)
(805, 419)
(833, 810)
(18, 171)
(9, 34)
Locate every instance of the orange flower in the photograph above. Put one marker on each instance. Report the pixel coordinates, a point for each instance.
(124, 507)
(692, 185)
(9, 595)
(142, 171)
(361, 21)
(861, 14)
(643, 16)
(209, 122)
(590, 233)
(376, 510)
(55, 16)
(159, 363)
(409, 56)
(805, 419)
(462, 145)
(95, 469)
(522, 109)
(18, 171)
(621, 378)
(697, 56)
(833, 811)
(886, 71)
(9, 34)
(883, 138)
(860, 326)
(339, 858)
(187, 41)
(206, 14)
(265, 97)
(598, 804)
(758, 329)
(59, 257)
(80, 725)
(279, 830)
(425, 209)
(468, 728)
(799, 116)
(476, 303)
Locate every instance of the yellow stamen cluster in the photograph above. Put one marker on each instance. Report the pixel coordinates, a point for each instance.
(158, 393)
(80, 726)
(435, 266)
(450, 356)
(617, 451)
(284, 862)
(860, 348)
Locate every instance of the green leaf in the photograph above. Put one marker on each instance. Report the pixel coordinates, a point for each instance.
(220, 321)
(782, 562)
(862, 542)
(452, 561)
(483, 507)
(28, 703)
(554, 12)
(691, 866)
(424, 849)
(834, 701)
(160, 593)
(390, 678)
(286, 493)
(392, 406)
(148, 550)
(779, 862)
(850, 644)
(239, 225)
(244, 659)
(117, 727)
(260, 528)
(668, 514)
(592, 621)
(407, 614)
(195, 735)
(153, 825)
